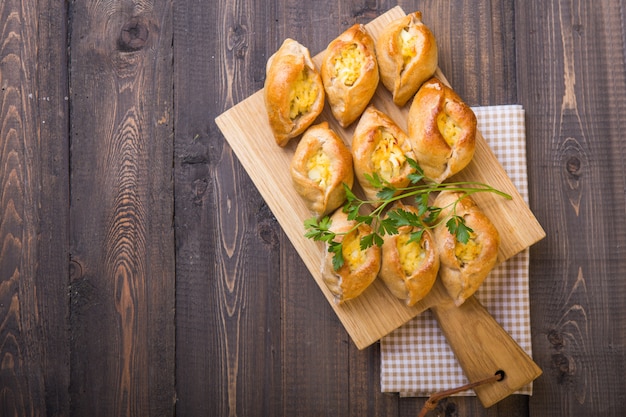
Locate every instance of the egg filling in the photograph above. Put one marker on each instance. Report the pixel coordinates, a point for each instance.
(448, 128)
(466, 252)
(408, 41)
(411, 254)
(353, 255)
(348, 64)
(387, 157)
(318, 167)
(302, 95)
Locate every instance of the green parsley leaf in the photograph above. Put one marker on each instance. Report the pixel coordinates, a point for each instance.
(367, 241)
(416, 236)
(457, 227)
(375, 180)
(386, 193)
(350, 196)
(336, 249)
(365, 219)
(422, 203)
(404, 218)
(463, 232)
(352, 211)
(388, 226)
(453, 223)
(433, 213)
(415, 177)
(426, 218)
(371, 240)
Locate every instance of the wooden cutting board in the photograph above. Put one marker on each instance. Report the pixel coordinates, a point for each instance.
(376, 312)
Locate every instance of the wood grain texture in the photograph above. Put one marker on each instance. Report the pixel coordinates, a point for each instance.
(574, 87)
(485, 349)
(122, 241)
(34, 354)
(254, 334)
(304, 386)
(376, 312)
(228, 320)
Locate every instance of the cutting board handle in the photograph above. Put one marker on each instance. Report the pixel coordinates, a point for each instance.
(483, 348)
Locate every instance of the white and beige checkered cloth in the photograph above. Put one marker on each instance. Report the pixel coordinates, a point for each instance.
(416, 360)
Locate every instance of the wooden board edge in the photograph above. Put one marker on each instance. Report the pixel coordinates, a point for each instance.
(376, 329)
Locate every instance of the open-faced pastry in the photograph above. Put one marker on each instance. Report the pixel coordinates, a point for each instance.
(360, 267)
(407, 56)
(380, 147)
(409, 266)
(320, 166)
(442, 130)
(464, 266)
(350, 74)
(294, 93)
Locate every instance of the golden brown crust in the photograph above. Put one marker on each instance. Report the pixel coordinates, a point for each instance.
(354, 276)
(350, 73)
(464, 267)
(409, 269)
(380, 146)
(401, 74)
(320, 165)
(442, 130)
(293, 92)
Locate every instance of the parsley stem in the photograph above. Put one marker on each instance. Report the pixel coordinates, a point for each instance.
(428, 219)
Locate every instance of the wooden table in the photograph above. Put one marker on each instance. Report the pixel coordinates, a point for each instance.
(142, 274)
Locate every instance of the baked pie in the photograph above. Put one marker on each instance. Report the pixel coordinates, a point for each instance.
(407, 56)
(442, 130)
(464, 266)
(320, 167)
(294, 93)
(350, 74)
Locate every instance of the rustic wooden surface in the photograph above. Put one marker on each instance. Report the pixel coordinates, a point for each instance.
(142, 274)
(376, 312)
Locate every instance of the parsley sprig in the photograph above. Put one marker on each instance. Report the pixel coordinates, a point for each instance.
(388, 222)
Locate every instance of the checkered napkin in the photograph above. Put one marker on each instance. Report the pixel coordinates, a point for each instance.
(416, 359)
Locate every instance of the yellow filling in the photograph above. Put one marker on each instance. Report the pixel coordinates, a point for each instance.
(353, 256)
(466, 252)
(348, 64)
(318, 167)
(387, 157)
(411, 254)
(449, 129)
(302, 96)
(408, 40)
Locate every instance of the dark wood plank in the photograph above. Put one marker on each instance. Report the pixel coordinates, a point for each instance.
(255, 335)
(228, 287)
(122, 240)
(477, 49)
(34, 192)
(277, 331)
(573, 86)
